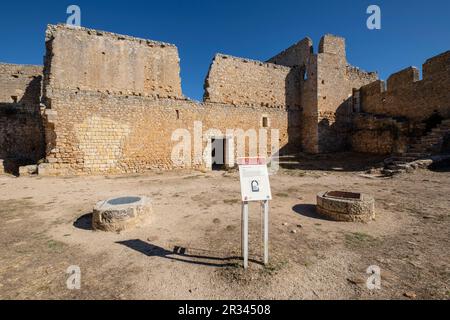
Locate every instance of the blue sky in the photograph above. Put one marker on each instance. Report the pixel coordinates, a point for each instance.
(412, 31)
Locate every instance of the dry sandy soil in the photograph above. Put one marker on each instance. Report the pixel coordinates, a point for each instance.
(190, 249)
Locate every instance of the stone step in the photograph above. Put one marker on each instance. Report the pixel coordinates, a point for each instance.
(431, 138)
(417, 149)
(404, 159)
(416, 155)
(389, 172)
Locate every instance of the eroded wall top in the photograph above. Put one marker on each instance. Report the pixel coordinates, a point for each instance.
(247, 82)
(296, 55)
(85, 59)
(405, 95)
(20, 84)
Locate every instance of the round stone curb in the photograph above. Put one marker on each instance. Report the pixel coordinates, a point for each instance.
(346, 206)
(121, 213)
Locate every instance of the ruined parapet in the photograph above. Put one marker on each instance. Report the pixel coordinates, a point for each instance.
(437, 68)
(405, 95)
(245, 82)
(92, 60)
(402, 79)
(296, 55)
(333, 45)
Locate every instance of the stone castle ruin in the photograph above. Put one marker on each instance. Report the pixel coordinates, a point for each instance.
(106, 103)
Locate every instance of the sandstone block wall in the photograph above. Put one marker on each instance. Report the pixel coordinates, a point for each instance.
(247, 82)
(21, 131)
(407, 96)
(96, 128)
(336, 80)
(378, 135)
(97, 133)
(20, 84)
(327, 84)
(301, 57)
(85, 59)
(113, 103)
(296, 55)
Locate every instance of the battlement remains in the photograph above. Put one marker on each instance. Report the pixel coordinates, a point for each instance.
(405, 95)
(332, 44)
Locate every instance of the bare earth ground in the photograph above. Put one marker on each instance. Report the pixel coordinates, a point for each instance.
(191, 247)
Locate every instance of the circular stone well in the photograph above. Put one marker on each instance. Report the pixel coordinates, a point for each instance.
(118, 214)
(346, 206)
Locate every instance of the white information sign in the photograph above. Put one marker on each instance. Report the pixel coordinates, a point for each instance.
(255, 186)
(254, 178)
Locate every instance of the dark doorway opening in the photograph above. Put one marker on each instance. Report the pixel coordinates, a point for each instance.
(433, 121)
(218, 147)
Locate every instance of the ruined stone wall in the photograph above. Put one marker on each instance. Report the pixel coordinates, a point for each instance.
(85, 59)
(406, 96)
(301, 57)
(326, 89)
(335, 83)
(247, 82)
(20, 84)
(378, 135)
(21, 132)
(94, 128)
(97, 133)
(296, 55)
(335, 80)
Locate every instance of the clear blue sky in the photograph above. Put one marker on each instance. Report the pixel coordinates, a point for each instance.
(411, 30)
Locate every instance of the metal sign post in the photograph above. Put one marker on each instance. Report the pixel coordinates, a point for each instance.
(244, 233)
(255, 186)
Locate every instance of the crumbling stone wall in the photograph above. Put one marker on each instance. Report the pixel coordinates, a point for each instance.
(100, 133)
(86, 59)
(91, 130)
(113, 102)
(378, 134)
(326, 89)
(247, 82)
(336, 82)
(404, 97)
(21, 131)
(301, 57)
(407, 96)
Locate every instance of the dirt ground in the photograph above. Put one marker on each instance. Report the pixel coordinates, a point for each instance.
(190, 249)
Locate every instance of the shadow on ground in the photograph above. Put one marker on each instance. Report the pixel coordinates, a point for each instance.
(181, 254)
(343, 161)
(84, 222)
(308, 210)
(441, 166)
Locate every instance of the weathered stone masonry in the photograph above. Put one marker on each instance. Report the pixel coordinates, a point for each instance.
(404, 108)
(111, 103)
(21, 132)
(326, 91)
(127, 127)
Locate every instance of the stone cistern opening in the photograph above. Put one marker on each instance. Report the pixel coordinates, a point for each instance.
(121, 213)
(346, 206)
